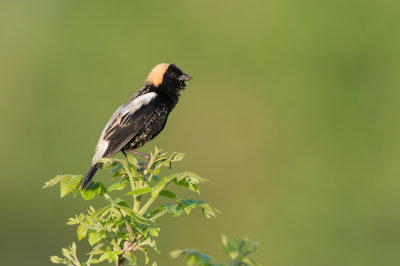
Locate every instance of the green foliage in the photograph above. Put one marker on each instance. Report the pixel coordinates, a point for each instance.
(194, 257)
(237, 249)
(118, 231)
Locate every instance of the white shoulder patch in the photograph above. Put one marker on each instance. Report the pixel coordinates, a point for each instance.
(101, 148)
(156, 75)
(139, 102)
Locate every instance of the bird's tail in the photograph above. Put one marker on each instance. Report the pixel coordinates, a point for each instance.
(89, 175)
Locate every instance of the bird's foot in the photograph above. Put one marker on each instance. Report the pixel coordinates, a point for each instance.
(140, 165)
(140, 154)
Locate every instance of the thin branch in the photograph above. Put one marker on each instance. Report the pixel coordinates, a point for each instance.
(136, 203)
(158, 215)
(147, 205)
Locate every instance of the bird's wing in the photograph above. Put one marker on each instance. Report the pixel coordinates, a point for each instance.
(126, 122)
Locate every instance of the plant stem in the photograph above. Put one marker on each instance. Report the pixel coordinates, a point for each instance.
(147, 205)
(131, 180)
(158, 215)
(137, 199)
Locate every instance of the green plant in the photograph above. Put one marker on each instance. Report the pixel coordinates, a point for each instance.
(237, 249)
(125, 226)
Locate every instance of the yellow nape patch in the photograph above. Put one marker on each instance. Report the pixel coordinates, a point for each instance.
(156, 74)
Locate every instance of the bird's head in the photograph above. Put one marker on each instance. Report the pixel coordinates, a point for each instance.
(168, 76)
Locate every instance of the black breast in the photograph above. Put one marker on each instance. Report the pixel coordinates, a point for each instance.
(156, 122)
(153, 126)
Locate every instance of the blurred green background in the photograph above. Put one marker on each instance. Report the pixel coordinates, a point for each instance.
(293, 116)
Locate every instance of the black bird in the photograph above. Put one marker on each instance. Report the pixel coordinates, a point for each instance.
(142, 117)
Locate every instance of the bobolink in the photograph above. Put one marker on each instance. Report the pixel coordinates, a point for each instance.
(142, 117)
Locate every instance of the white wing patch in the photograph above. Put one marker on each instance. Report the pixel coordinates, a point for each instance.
(100, 150)
(132, 107)
(139, 102)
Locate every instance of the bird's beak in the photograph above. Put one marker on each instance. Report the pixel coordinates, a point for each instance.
(185, 77)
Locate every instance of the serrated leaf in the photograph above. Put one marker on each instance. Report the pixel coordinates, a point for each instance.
(160, 185)
(139, 191)
(175, 157)
(167, 193)
(95, 237)
(237, 249)
(174, 209)
(72, 221)
(113, 257)
(107, 163)
(187, 205)
(81, 232)
(69, 183)
(100, 212)
(148, 242)
(97, 250)
(189, 180)
(134, 215)
(53, 182)
(58, 260)
(154, 231)
(131, 159)
(73, 247)
(95, 188)
(119, 185)
(105, 255)
(195, 258)
(176, 253)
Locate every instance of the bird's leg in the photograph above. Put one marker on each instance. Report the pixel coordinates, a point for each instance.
(138, 165)
(141, 154)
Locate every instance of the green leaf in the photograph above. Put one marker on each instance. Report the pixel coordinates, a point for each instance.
(167, 193)
(108, 163)
(81, 232)
(95, 215)
(160, 185)
(119, 185)
(134, 215)
(131, 159)
(69, 183)
(139, 191)
(189, 180)
(105, 255)
(154, 231)
(187, 205)
(97, 250)
(95, 188)
(148, 242)
(58, 260)
(95, 237)
(195, 258)
(237, 249)
(53, 182)
(81, 217)
(175, 157)
(110, 256)
(72, 221)
(201, 257)
(174, 209)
